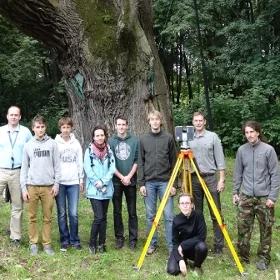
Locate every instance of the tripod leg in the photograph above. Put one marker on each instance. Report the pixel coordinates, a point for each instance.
(160, 210)
(218, 217)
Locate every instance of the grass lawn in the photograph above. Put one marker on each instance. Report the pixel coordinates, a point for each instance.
(118, 264)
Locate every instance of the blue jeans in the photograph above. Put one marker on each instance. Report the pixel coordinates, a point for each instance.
(154, 191)
(68, 194)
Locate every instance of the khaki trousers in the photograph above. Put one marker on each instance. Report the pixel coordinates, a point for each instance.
(43, 194)
(10, 178)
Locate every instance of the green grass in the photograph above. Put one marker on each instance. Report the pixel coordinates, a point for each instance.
(118, 264)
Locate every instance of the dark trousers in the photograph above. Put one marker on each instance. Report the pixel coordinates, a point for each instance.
(130, 196)
(99, 224)
(197, 254)
(198, 195)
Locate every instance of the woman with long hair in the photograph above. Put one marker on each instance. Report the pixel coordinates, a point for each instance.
(99, 165)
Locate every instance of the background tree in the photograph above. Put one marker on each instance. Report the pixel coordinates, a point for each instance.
(106, 54)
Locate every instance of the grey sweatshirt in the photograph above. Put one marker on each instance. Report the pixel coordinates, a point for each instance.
(40, 163)
(257, 171)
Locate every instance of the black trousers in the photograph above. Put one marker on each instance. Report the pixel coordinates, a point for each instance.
(99, 224)
(197, 254)
(198, 195)
(130, 196)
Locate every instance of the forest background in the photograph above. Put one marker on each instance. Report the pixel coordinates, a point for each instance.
(234, 59)
(223, 51)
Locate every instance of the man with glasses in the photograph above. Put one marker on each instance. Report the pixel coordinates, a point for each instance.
(188, 237)
(13, 136)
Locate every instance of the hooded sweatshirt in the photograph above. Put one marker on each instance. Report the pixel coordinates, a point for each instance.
(40, 163)
(71, 160)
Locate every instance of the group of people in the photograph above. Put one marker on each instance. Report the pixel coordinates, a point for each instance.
(40, 169)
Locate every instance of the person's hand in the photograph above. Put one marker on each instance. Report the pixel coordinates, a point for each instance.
(54, 190)
(235, 199)
(180, 251)
(143, 191)
(25, 196)
(172, 191)
(81, 187)
(221, 185)
(183, 267)
(98, 184)
(126, 180)
(269, 203)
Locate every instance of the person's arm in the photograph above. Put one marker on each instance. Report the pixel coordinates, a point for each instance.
(126, 180)
(57, 169)
(237, 177)
(88, 168)
(24, 174)
(80, 166)
(273, 170)
(176, 242)
(112, 168)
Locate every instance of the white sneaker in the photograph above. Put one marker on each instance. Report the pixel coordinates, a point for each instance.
(48, 250)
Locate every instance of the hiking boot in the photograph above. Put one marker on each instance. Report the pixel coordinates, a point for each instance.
(261, 264)
(119, 243)
(33, 249)
(48, 250)
(92, 250)
(151, 250)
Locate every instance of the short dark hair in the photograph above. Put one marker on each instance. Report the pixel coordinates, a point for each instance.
(102, 127)
(121, 117)
(65, 120)
(39, 119)
(185, 195)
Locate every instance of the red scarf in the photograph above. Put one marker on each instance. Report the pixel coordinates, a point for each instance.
(99, 150)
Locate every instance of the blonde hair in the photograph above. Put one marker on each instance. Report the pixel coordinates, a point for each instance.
(155, 113)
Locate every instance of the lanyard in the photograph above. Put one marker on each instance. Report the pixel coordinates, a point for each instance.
(12, 142)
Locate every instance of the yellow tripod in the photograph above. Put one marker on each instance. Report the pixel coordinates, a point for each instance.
(187, 154)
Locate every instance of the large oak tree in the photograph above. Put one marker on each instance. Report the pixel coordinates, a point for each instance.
(107, 55)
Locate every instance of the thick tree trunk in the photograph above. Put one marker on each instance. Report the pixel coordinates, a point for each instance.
(106, 53)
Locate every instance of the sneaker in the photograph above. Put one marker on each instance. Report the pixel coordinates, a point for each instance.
(92, 250)
(48, 250)
(183, 267)
(261, 264)
(119, 243)
(15, 242)
(77, 246)
(151, 250)
(33, 249)
(64, 247)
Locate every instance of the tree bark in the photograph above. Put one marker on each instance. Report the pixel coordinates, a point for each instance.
(107, 55)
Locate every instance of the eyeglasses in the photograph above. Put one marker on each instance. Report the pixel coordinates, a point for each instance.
(185, 203)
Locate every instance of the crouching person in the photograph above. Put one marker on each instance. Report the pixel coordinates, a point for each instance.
(188, 237)
(39, 179)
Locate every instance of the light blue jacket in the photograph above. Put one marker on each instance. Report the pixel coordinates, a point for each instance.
(97, 170)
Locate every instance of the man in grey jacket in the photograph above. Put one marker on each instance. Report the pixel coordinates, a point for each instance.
(255, 191)
(39, 179)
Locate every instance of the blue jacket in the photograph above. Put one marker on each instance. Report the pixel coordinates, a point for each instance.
(97, 170)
